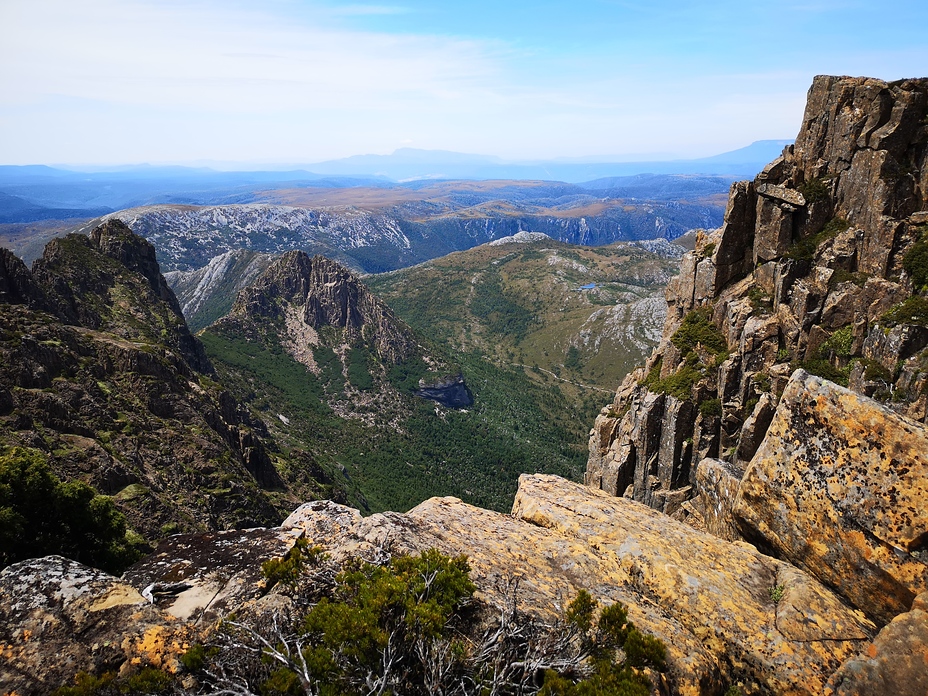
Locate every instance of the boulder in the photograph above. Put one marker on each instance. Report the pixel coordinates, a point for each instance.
(717, 482)
(840, 487)
(896, 662)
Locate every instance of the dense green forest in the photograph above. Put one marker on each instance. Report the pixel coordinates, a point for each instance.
(476, 454)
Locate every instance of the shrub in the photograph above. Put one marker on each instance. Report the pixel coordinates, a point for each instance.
(602, 638)
(912, 311)
(711, 408)
(41, 515)
(814, 190)
(840, 342)
(288, 569)
(804, 249)
(823, 368)
(697, 329)
(915, 261)
(874, 371)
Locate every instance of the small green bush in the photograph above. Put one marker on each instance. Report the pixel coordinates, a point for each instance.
(804, 249)
(697, 329)
(823, 368)
(86, 685)
(680, 384)
(874, 371)
(289, 569)
(41, 515)
(760, 300)
(814, 190)
(840, 342)
(613, 631)
(915, 261)
(912, 311)
(711, 408)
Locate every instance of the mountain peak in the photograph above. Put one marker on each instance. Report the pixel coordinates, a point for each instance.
(318, 293)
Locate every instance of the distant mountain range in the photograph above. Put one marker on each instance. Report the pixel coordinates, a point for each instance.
(408, 164)
(38, 192)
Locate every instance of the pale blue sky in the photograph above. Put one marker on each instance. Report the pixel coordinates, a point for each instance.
(277, 81)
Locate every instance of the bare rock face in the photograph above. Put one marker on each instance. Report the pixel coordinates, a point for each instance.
(717, 482)
(894, 663)
(326, 294)
(58, 617)
(840, 487)
(806, 271)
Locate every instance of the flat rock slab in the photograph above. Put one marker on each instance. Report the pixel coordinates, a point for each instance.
(202, 576)
(709, 600)
(839, 487)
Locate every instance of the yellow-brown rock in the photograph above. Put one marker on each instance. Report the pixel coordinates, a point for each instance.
(895, 663)
(59, 617)
(840, 487)
(709, 600)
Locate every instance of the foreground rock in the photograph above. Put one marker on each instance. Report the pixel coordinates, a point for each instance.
(895, 663)
(840, 487)
(710, 601)
(713, 603)
(58, 617)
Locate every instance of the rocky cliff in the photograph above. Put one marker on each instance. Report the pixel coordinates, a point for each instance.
(821, 263)
(101, 378)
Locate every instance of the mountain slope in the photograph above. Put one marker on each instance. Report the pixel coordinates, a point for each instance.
(101, 379)
(578, 314)
(340, 378)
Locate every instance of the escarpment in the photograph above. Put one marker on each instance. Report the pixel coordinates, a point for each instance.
(820, 264)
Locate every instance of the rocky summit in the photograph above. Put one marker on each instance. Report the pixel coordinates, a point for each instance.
(754, 502)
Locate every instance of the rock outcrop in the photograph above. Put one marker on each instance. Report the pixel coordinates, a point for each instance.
(816, 266)
(840, 488)
(715, 604)
(894, 663)
(101, 377)
(58, 618)
(316, 293)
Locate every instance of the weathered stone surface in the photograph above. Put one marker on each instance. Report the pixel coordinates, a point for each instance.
(208, 575)
(774, 231)
(719, 591)
(840, 488)
(736, 238)
(717, 482)
(895, 663)
(708, 600)
(755, 427)
(58, 617)
(781, 194)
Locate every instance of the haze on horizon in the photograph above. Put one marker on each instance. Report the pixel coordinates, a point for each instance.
(302, 81)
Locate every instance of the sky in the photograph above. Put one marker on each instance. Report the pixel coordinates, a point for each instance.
(301, 81)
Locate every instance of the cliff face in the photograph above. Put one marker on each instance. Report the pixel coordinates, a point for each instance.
(312, 294)
(100, 376)
(821, 263)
